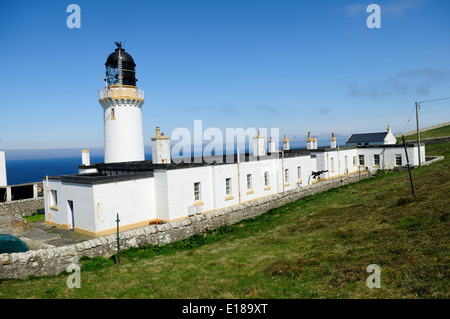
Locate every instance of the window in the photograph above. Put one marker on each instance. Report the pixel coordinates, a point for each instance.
(361, 160)
(113, 113)
(286, 175)
(332, 164)
(53, 198)
(228, 186)
(249, 181)
(398, 159)
(354, 160)
(197, 191)
(376, 159)
(266, 179)
(299, 172)
(346, 161)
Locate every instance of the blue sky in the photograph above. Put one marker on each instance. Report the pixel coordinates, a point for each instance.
(294, 65)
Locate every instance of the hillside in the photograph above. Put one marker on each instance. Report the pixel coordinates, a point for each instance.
(316, 247)
(437, 132)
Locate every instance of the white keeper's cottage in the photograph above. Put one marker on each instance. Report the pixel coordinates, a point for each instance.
(161, 190)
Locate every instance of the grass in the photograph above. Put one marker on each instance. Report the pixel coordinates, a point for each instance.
(34, 217)
(437, 132)
(317, 247)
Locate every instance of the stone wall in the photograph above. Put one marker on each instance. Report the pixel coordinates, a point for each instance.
(11, 213)
(435, 140)
(55, 260)
(24, 207)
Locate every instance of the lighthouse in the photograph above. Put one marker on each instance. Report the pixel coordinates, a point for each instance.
(122, 101)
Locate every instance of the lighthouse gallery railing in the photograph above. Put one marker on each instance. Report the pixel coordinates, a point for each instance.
(122, 92)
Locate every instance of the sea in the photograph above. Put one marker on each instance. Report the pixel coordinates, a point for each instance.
(35, 170)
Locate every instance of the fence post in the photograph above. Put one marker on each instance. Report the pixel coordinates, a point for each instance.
(118, 240)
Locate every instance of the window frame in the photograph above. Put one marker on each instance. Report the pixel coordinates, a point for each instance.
(286, 175)
(266, 179)
(197, 192)
(54, 198)
(376, 159)
(249, 182)
(361, 160)
(397, 157)
(228, 188)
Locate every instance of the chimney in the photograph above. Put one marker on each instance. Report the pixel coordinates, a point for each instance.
(332, 141)
(160, 148)
(285, 143)
(309, 142)
(272, 145)
(85, 158)
(259, 145)
(314, 143)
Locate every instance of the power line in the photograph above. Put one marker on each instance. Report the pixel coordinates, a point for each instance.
(445, 98)
(407, 122)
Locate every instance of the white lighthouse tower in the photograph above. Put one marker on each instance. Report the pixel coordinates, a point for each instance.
(122, 102)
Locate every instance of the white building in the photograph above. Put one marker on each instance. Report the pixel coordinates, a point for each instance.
(144, 192)
(3, 179)
(379, 138)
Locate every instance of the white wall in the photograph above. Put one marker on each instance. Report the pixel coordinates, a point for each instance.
(390, 138)
(3, 179)
(180, 191)
(83, 208)
(387, 156)
(133, 200)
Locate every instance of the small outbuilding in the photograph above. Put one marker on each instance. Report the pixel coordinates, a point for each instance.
(378, 138)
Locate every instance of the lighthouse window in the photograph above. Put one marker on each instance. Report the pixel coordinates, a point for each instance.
(299, 172)
(112, 74)
(113, 113)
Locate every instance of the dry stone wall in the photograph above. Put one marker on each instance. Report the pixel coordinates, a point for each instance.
(56, 260)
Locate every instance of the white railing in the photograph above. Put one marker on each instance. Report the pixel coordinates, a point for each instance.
(121, 93)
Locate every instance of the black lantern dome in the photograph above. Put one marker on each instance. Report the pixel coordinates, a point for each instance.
(115, 70)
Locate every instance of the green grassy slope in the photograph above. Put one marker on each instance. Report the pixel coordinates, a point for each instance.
(317, 247)
(437, 132)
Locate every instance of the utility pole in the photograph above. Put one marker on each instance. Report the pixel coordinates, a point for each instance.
(409, 168)
(418, 137)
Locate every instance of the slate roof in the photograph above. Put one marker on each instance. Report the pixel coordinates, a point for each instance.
(367, 137)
